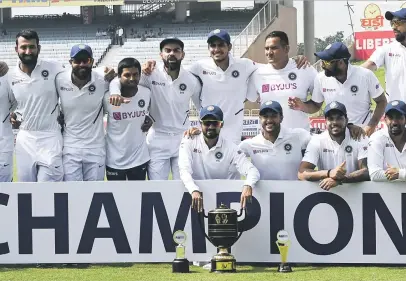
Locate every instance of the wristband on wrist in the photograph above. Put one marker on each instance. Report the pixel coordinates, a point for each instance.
(328, 173)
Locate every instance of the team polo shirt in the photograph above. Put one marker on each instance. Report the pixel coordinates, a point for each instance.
(198, 162)
(326, 154)
(393, 57)
(170, 99)
(126, 145)
(382, 151)
(279, 160)
(227, 89)
(82, 110)
(36, 96)
(355, 93)
(280, 84)
(7, 104)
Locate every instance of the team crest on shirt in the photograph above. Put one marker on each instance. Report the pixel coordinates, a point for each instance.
(288, 147)
(182, 88)
(45, 74)
(292, 76)
(235, 73)
(219, 155)
(348, 149)
(141, 103)
(92, 88)
(354, 89)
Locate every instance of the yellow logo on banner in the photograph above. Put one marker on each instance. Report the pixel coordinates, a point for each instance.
(85, 2)
(23, 3)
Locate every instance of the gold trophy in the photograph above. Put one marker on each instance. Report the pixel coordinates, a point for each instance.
(283, 246)
(180, 264)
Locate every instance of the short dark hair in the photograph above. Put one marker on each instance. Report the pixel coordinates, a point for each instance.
(283, 37)
(128, 63)
(28, 34)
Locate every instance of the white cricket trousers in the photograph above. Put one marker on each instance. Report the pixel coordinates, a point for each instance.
(84, 164)
(6, 166)
(164, 152)
(39, 156)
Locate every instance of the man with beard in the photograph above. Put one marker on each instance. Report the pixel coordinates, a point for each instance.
(280, 79)
(386, 151)
(392, 57)
(352, 85)
(172, 88)
(278, 150)
(127, 151)
(338, 157)
(211, 156)
(82, 93)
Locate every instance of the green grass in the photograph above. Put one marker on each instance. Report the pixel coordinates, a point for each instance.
(158, 272)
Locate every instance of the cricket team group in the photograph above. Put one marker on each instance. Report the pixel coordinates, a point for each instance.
(59, 111)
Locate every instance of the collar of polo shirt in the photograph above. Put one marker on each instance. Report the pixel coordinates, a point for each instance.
(218, 144)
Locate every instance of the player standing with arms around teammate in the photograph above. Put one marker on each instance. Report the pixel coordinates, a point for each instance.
(172, 88)
(7, 105)
(127, 150)
(82, 93)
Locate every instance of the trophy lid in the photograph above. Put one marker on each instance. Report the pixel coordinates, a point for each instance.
(223, 209)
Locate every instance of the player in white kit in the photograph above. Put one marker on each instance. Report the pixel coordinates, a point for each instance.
(281, 79)
(352, 85)
(127, 150)
(277, 151)
(211, 156)
(392, 57)
(7, 105)
(82, 92)
(387, 151)
(39, 140)
(172, 88)
(338, 157)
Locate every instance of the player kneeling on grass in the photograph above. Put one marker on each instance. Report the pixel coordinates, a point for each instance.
(210, 156)
(127, 124)
(339, 158)
(386, 151)
(277, 151)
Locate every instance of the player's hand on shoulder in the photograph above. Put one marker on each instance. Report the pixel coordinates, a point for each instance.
(369, 130)
(147, 124)
(296, 103)
(109, 74)
(356, 132)
(117, 100)
(3, 68)
(148, 67)
(301, 62)
(191, 132)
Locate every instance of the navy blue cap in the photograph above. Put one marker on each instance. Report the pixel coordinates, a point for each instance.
(399, 14)
(335, 105)
(81, 48)
(169, 40)
(219, 34)
(212, 110)
(397, 105)
(273, 105)
(335, 51)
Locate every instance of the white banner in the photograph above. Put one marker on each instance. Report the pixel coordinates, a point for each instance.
(106, 222)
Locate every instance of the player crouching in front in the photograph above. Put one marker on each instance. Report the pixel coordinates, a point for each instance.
(339, 158)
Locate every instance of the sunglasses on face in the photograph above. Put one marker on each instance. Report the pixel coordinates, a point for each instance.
(208, 123)
(328, 62)
(397, 22)
(81, 60)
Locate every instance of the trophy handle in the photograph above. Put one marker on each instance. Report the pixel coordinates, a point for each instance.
(201, 217)
(239, 215)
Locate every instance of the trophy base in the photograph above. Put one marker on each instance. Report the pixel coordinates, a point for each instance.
(284, 268)
(180, 266)
(223, 262)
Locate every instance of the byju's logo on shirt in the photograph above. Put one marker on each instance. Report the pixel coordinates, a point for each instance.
(394, 55)
(328, 90)
(280, 87)
(195, 150)
(158, 83)
(128, 115)
(209, 72)
(66, 89)
(16, 82)
(256, 151)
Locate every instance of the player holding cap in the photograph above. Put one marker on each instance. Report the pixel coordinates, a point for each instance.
(386, 151)
(7, 105)
(278, 151)
(172, 88)
(127, 151)
(211, 156)
(338, 157)
(392, 57)
(352, 85)
(280, 79)
(81, 93)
